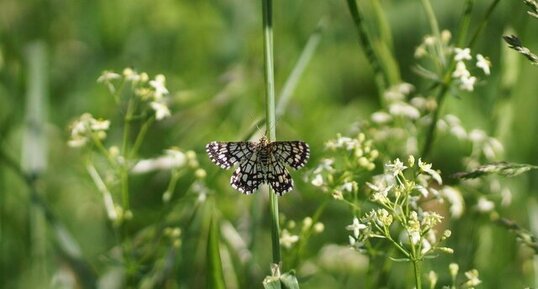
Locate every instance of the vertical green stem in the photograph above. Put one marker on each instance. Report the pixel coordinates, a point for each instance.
(267, 12)
(380, 77)
(434, 26)
(430, 133)
(483, 22)
(418, 280)
(465, 23)
(447, 79)
(140, 136)
(124, 170)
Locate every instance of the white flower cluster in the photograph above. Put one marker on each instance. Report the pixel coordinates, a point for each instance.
(465, 80)
(431, 44)
(353, 155)
(153, 92)
(396, 123)
(482, 144)
(439, 50)
(483, 148)
(471, 277)
(288, 239)
(87, 128)
(397, 192)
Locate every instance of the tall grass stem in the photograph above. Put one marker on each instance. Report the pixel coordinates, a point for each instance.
(380, 78)
(267, 12)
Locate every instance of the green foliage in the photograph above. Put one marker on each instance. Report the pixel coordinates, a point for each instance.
(393, 97)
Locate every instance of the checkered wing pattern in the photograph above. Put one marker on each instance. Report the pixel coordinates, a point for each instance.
(278, 176)
(250, 174)
(227, 154)
(260, 162)
(294, 153)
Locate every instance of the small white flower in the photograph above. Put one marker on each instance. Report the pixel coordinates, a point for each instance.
(483, 63)
(108, 76)
(396, 168)
(405, 110)
(484, 205)
(83, 127)
(405, 88)
(462, 54)
(381, 117)
(381, 191)
(99, 125)
(393, 95)
(352, 241)
(131, 75)
(420, 51)
(506, 197)
(349, 186)
(467, 83)
(477, 135)
(461, 70)
(423, 191)
(492, 148)
(325, 165)
(317, 181)
(419, 102)
(307, 223)
(346, 142)
(472, 277)
(453, 268)
(429, 40)
(319, 227)
(427, 168)
(287, 240)
(356, 227)
(445, 36)
(455, 199)
(411, 160)
(431, 219)
(161, 110)
(426, 246)
(76, 142)
(173, 159)
(459, 132)
(159, 85)
(383, 217)
(452, 120)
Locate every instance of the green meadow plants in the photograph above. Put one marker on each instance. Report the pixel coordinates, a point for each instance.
(369, 144)
(141, 249)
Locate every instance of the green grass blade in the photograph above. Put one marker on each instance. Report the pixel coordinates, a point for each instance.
(216, 275)
(503, 169)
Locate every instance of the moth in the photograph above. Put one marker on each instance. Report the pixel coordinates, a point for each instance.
(261, 162)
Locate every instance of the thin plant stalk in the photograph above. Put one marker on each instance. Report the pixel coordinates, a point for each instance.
(447, 79)
(465, 23)
(140, 137)
(483, 22)
(380, 77)
(298, 69)
(434, 26)
(267, 13)
(417, 269)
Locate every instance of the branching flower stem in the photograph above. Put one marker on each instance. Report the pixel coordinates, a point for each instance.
(267, 12)
(447, 79)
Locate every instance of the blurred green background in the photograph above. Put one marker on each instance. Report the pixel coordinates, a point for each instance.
(211, 54)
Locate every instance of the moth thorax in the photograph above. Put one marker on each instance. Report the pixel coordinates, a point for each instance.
(264, 154)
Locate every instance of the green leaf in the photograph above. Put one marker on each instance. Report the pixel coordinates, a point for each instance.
(501, 168)
(216, 276)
